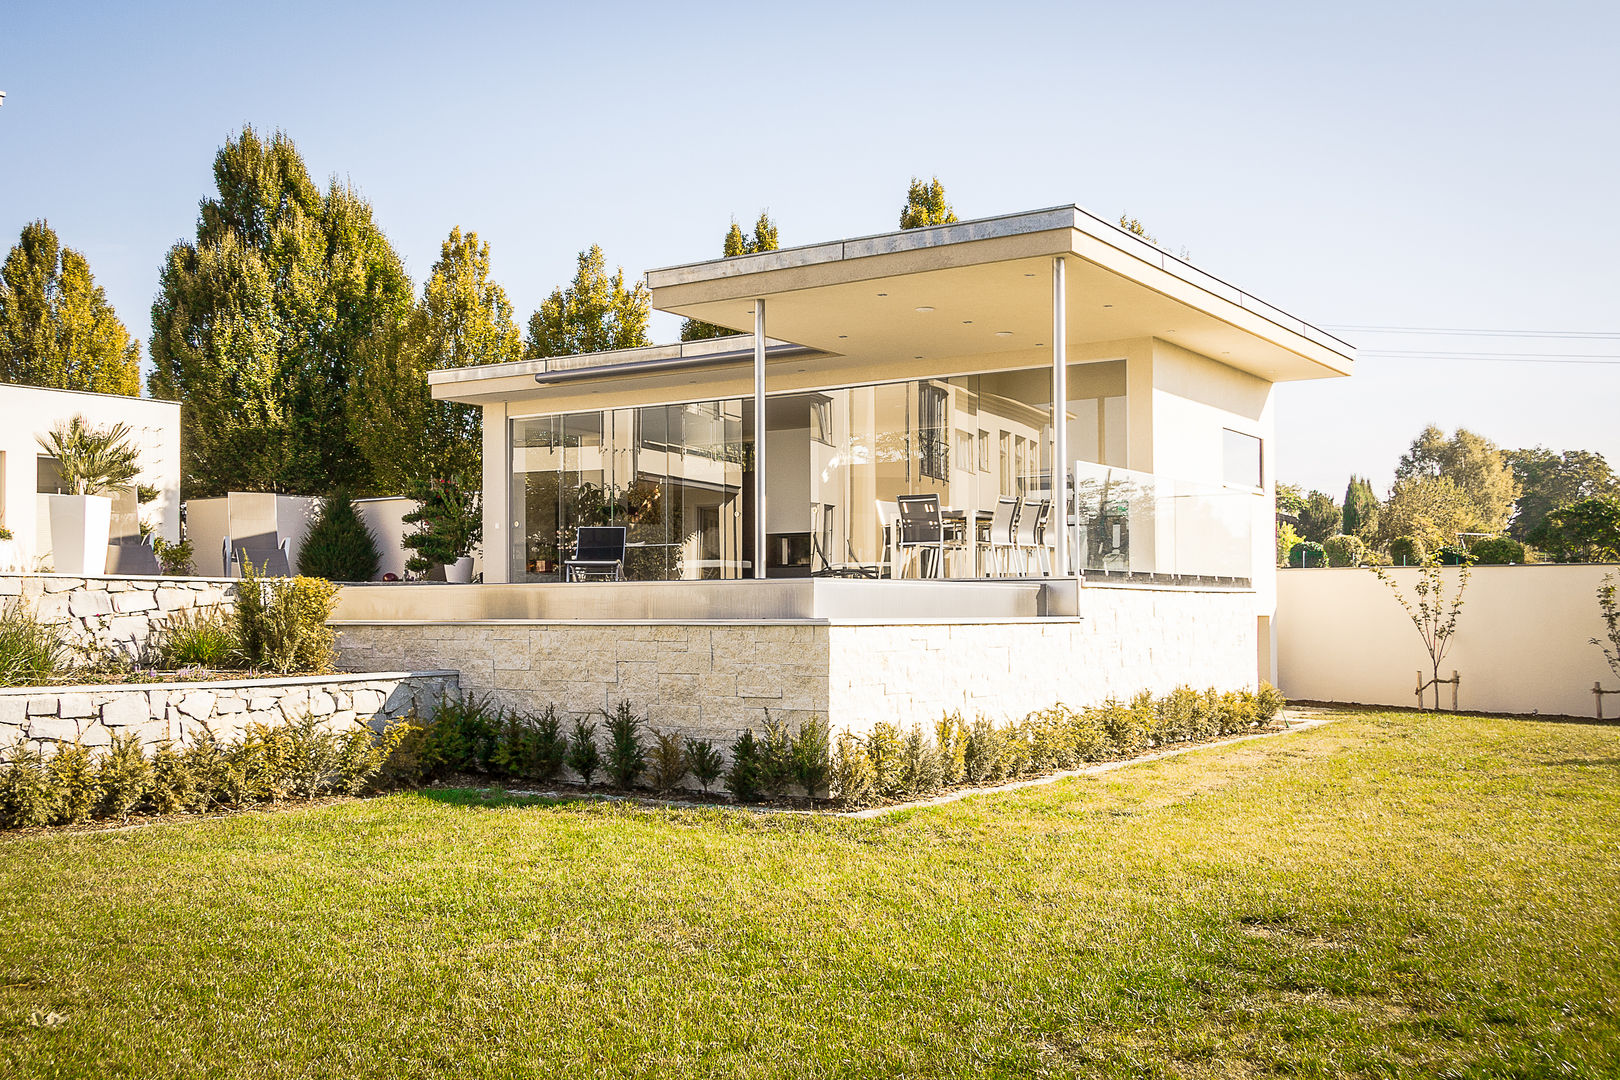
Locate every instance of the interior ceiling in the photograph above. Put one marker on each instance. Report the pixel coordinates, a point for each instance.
(994, 308)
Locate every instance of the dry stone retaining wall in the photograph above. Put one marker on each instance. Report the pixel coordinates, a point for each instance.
(103, 614)
(158, 711)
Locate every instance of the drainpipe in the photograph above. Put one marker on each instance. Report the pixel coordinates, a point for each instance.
(1060, 417)
(759, 439)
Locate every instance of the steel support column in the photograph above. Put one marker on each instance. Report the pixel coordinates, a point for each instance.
(1060, 420)
(759, 439)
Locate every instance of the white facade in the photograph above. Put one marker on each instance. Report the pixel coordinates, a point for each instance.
(28, 413)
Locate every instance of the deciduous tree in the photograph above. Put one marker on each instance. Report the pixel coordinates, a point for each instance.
(1431, 509)
(56, 327)
(736, 243)
(1473, 464)
(1320, 518)
(1548, 480)
(258, 322)
(597, 312)
(464, 319)
(1584, 531)
(926, 205)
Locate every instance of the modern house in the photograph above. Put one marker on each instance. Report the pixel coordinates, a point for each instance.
(28, 475)
(885, 411)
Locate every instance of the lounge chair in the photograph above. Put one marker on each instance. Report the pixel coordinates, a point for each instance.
(132, 556)
(598, 552)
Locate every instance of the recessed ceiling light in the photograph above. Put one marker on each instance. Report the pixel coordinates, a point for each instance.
(841, 337)
(883, 294)
(1003, 333)
(925, 309)
(967, 322)
(1108, 305)
(917, 357)
(1029, 275)
(801, 371)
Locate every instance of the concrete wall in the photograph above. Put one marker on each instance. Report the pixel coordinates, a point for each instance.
(113, 613)
(1521, 643)
(28, 412)
(179, 711)
(712, 679)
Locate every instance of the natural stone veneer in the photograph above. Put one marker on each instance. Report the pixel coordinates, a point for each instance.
(159, 711)
(713, 679)
(104, 613)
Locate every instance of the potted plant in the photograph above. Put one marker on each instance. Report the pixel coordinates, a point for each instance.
(92, 461)
(450, 525)
(10, 560)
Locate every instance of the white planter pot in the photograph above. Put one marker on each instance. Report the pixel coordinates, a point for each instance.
(10, 558)
(80, 525)
(460, 571)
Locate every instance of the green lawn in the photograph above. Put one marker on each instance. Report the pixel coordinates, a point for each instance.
(1388, 895)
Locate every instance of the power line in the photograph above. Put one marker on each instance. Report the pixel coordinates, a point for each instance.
(1477, 332)
(1597, 360)
(1497, 355)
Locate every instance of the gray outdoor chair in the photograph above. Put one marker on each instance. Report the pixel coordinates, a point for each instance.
(132, 556)
(922, 529)
(598, 552)
(269, 559)
(1004, 532)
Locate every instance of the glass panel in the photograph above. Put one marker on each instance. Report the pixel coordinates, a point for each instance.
(1241, 458)
(1139, 523)
(672, 475)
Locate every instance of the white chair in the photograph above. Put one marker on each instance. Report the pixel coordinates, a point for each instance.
(1031, 536)
(1003, 535)
(889, 521)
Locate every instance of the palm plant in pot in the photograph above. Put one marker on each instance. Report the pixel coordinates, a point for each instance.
(92, 461)
(449, 527)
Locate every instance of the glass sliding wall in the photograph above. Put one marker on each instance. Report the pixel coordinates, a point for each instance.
(679, 476)
(673, 475)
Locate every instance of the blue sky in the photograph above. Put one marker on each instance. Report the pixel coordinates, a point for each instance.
(1371, 164)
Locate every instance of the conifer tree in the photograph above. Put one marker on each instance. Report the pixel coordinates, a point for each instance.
(597, 312)
(56, 327)
(736, 243)
(464, 319)
(926, 205)
(258, 321)
(338, 546)
(1360, 508)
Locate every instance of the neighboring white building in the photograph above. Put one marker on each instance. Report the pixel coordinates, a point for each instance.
(27, 473)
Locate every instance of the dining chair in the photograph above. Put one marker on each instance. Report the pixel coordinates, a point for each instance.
(889, 521)
(922, 529)
(1003, 534)
(1031, 533)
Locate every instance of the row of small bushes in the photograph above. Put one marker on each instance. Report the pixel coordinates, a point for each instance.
(265, 763)
(1344, 550)
(277, 625)
(621, 748)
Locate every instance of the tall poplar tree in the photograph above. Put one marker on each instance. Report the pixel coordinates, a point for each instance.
(736, 243)
(926, 205)
(258, 322)
(464, 319)
(594, 314)
(1360, 508)
(56, 327)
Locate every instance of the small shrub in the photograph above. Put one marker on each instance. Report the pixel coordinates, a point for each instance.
(207, 760)
(361, 753)
(173, 790)
(463, 737)
(201, 637)
(1408, 551)
(775, 757)
(1307, 553)
(851, 770)
(72, 776)
(1343, 550)
(27, 797)
(124, 775)
(919, 763)
(30, 651)
(281, 623)
(669, 765)
(1498, 551)
(626, 757)
(885, 749)
(705, 760)
(547, 747)
(1049, 738)
(338, 546)
(174, 559)
(982, 757)
(743, 775)
(812, 757)
(1268, 702)
(583, 756)
(1452, 555)
(950, 736)
(404, 766)
(1120, 723)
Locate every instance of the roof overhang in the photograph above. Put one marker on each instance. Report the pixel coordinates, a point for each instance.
(982, 289)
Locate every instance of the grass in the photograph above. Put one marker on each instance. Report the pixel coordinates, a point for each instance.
(1389, 895)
